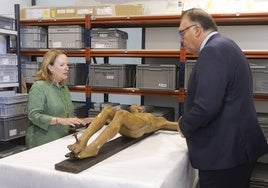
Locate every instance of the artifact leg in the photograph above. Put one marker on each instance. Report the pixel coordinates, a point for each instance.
(106, 114)
(111, 130)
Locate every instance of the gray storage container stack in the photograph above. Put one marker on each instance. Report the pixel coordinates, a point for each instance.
(13, 119)
(189, 65)
(33, 37)
(7, 23)
(13, 115)
(77, 74)
(109, 38)
(8, 68)
(157, 77)
(112, 76)
(263, 121)
(166, 112)
(260, 78)
(66, 37)
(80, 109)
(29, 70)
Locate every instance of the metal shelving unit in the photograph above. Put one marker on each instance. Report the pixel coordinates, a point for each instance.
(144, 22)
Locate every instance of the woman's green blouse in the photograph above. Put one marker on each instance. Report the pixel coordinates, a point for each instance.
(45, 101)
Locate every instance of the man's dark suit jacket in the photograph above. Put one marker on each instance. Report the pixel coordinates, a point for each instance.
(220, 123)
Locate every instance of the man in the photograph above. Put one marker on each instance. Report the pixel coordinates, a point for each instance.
(220, 125)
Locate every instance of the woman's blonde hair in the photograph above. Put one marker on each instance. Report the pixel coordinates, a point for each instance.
(48, 59)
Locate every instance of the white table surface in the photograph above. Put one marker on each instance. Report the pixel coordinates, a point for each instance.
(158, 161)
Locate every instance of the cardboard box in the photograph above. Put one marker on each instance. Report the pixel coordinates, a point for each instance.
(83, 10)
(103, 10)
(126, 10)
(35, 13)
(63, 12)
(100, 10)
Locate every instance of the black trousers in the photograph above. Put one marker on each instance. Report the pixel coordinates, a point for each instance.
(236, 177)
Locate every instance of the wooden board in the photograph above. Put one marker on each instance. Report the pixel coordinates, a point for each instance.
(108, 149)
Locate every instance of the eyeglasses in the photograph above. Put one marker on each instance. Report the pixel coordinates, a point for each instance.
(182, 32)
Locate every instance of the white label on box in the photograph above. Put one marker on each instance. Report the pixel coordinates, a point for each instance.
(61, 11)
(104, 11)
(7, 27)
(162, 85)
(13, 132)
(56, 44)
(99, 46)
(38, 13)
(6, 78)
(5, 61)
(103, 34)
(109, 77)
(85, 11)
(70, 10)
(22, 132)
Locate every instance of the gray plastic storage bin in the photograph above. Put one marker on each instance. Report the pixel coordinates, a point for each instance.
(111, 76)
(8, 59)
(189, 65)
(12, 104)
(166, 112)
(157, 77)
(77, 74)
(7, 149)
(263, 121)
(13, 127)
(260, 78)
(109, 38)
(10, 97)
(9, 110)
(80, 109)
(8, 74)
(7, 23)
(66, 37)
(33, 37)
(29, 70)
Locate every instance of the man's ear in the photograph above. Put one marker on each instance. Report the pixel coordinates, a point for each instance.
(198, 31)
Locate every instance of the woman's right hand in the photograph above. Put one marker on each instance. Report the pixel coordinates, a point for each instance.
(71, 121)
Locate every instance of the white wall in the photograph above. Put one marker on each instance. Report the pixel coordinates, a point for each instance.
(171, 6)
(7, 10)
(7, 6)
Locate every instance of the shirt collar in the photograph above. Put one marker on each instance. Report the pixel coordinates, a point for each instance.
(61, 85)
(206, 39)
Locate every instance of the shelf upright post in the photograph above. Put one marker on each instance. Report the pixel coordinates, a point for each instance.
(181, 79)
(88, 58)
(17, 28)
(106, 95)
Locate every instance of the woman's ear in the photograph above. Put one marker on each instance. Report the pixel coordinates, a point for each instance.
(50, 68)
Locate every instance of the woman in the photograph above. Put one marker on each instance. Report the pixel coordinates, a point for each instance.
(50, 109)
